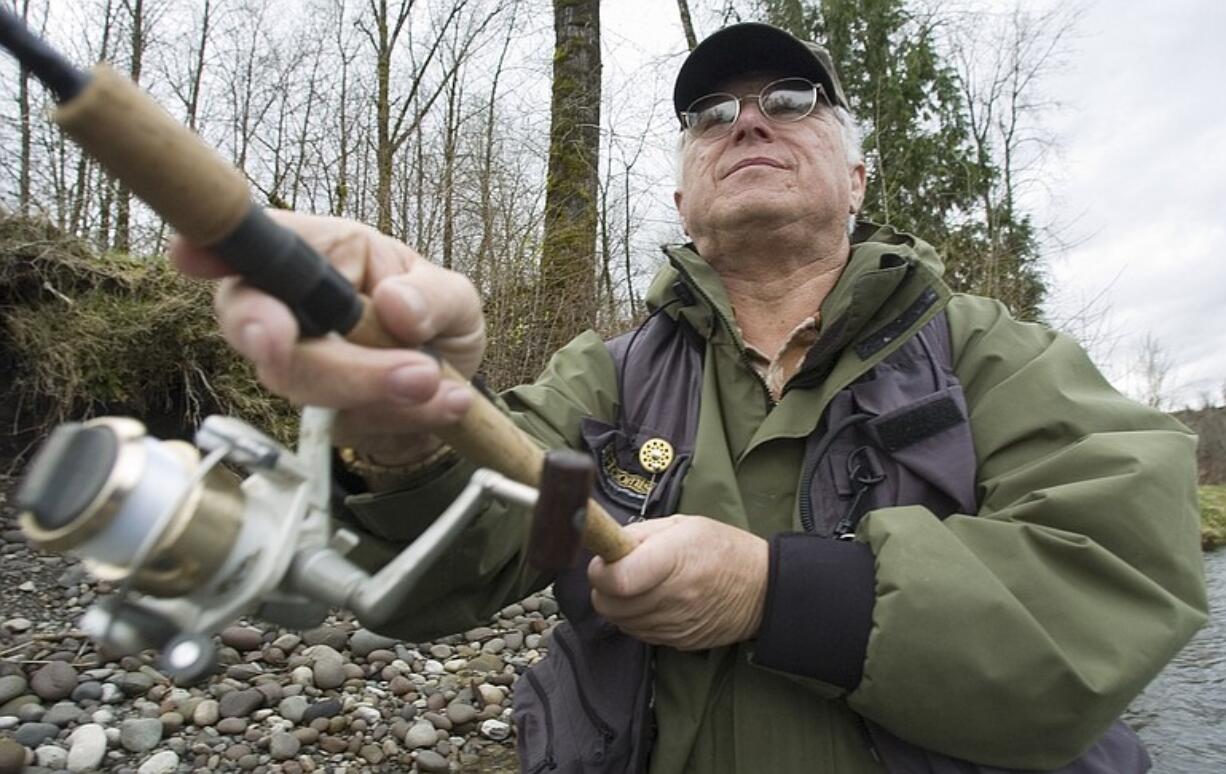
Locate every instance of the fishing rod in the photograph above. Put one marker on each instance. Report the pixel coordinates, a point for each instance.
(192, 546)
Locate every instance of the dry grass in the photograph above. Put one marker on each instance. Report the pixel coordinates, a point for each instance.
(1213, 516)
(87, 333)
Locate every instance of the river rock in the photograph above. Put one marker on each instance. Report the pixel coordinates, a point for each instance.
(420, 734)
(495, 729)
(240, 704)
(242, 638)
(332, 636)
(287, 642)
(135, 684)
(321, 709)
(328, 673)
(207, 713)
(12, 757)
(164, 762)
(90, 690)
(430, 761)
(283, 746)
(51, 757)
(64, 713)
(54, 681)
(232, 726)
(12, 686)
(86, 748)
(364, 641)
(33, 734)
(494, 646)
(461, 712)
(292, 708)
(140, 735)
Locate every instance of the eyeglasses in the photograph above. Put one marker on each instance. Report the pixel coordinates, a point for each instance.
(784, 101)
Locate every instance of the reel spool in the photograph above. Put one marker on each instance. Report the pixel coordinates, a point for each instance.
(103, 489)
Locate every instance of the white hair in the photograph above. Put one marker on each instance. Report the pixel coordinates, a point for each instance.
(849, 128)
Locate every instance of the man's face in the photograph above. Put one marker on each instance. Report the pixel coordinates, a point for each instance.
(763, 175)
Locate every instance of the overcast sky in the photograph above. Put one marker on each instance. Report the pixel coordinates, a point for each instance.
(1137, 191)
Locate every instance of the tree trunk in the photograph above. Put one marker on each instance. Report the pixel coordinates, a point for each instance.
(23, 102)
(123, 210)
(568, 253)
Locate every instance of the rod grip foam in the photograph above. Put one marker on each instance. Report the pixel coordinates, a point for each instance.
(164, 163)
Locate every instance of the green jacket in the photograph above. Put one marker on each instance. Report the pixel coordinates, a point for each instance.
(1011, 637)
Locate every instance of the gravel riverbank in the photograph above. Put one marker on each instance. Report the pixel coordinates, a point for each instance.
(337, 698)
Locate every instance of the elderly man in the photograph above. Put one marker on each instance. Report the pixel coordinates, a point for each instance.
(917, 535)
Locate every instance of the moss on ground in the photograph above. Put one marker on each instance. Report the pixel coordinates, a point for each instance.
(1213, 516)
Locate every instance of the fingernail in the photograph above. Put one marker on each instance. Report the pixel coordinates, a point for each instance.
(410, 381)
(458, 400)
(253, 340)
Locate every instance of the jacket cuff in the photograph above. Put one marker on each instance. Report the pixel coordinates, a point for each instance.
(819, 608)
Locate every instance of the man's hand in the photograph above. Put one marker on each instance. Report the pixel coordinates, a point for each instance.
(388, 399)
(691, 583)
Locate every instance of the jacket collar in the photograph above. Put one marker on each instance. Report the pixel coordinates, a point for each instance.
(886, 273)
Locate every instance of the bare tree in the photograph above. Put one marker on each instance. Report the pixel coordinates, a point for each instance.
(1154, 366)
(683, 7)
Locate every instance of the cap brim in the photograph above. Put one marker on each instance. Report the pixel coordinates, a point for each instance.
(745, 48)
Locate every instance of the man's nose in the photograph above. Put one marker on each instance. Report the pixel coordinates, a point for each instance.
(751, 123)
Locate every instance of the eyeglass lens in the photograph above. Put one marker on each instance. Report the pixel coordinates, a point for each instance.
(783, 101)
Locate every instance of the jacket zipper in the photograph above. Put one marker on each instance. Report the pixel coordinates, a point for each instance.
(806, 478)
(549, 762)
(727, 325)
(606, 732)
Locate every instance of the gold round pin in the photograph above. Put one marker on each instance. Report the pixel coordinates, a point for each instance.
(656, 455)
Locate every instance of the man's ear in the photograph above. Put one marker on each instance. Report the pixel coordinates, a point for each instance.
(858, 177)
(677, 195)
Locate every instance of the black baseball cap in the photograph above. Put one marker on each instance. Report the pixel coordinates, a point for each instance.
(753, 47)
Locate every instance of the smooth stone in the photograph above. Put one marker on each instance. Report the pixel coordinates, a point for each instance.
(430, 761)
(302, 675)
(512, 611)
(232, 726)
(12, 686)
(400, 685)
(13, 706)
(494, 646)
(331, 636)
(461, 712)
(62, 714)
(495, 729)
(421, 734)
(33, 734)
(364, 641)
(271, 691)
(380, 656)
(172, 722)
(51, 757)
(140, 735)
(103, 717)
(283, 746)
(479, 633)
(86, 748)
(514, 640)
(437, 720)
(164, 762)
(441, 652)
(135, 683)
(329, 673)
(433, 667)
(321, 709)
(293, 708)
(531, 604)
(207, 713)
(486, 662)
(54, 681)
(306, 735)
(367, 713)
(8, 722)
(287, 642)
(12, 757)
(18, 625)
(373, 753)
(31, 712)
(91, 690)
(242, 638)
(236, 751)
(240, 704)
(333, 744)
(491, 694)
(111, 693)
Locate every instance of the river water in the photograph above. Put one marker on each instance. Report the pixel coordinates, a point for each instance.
(1182, 714)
